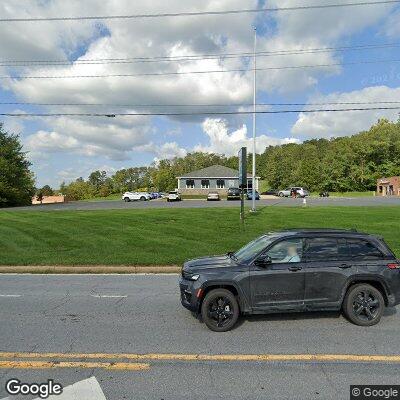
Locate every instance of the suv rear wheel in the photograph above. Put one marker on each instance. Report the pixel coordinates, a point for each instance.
(363, 305)
(220, 310)
(127, 199)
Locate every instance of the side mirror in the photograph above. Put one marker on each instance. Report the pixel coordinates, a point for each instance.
(263, 261)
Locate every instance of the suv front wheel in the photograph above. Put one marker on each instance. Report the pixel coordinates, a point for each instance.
(363, 305)
(220, 310)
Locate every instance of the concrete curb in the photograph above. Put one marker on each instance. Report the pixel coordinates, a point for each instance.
(90, 269)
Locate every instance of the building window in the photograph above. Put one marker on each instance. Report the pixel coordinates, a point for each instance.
(220, 184)
(205, 184)
(189, 184)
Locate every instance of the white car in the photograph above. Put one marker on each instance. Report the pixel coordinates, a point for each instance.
(132, 196)
(174, 196)
(300, 192)
(213, 196)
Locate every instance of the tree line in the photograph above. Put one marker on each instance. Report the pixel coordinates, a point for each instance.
(351, 163)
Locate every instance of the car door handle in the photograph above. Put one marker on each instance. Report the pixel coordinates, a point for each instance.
(344, 266)
(294, 268)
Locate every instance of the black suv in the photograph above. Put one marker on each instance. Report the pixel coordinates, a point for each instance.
(295, 270)
(233, 194)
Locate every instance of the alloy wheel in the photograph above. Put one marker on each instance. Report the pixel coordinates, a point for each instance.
(366, 305)
(220, 311)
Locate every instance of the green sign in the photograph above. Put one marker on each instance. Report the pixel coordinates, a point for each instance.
(242, 167)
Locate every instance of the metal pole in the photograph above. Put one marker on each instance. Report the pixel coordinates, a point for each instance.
(254, 122)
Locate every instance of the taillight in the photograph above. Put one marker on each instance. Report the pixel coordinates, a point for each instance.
(394, 266)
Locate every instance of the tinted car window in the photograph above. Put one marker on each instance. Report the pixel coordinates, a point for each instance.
(323, 249)
(363, 250)
(253, 248)
(286, 251)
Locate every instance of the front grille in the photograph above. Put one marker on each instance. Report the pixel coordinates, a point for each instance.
(185, 295)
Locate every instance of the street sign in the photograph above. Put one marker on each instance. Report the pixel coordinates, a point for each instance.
(242, 179)
(242, 167)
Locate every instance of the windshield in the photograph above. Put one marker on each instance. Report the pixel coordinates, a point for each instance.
(251, 249)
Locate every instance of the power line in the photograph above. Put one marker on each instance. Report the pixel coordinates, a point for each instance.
(129, 60)
(15, 103)
(195, 72)
(199, 13)
(113, 115)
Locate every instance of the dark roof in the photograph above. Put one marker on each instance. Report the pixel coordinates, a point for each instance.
(344, 232)
(215, 171)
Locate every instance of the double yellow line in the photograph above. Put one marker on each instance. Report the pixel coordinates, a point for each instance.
(9, 364)
(131, 361)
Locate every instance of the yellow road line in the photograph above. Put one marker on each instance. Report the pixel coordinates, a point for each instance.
(72, 364)
(207, 357)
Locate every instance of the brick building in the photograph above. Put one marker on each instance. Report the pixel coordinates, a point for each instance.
(388, 186)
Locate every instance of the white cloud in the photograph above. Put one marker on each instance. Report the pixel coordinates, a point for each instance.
(116, 139)
(310, 29)
(223, 142)
(72, 173)
(330, 124)
(91, 137)
(392, 26)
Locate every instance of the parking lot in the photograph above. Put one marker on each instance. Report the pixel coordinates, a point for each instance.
(277, 201)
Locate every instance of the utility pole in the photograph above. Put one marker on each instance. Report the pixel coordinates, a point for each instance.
(254, 122)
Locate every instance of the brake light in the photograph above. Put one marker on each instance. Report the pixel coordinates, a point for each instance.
(394, 266)
(199, 293)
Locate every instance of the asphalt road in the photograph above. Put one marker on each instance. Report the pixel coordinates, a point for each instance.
(286, 202)
(134, 314)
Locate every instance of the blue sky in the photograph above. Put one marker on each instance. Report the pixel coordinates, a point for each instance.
(64, 148)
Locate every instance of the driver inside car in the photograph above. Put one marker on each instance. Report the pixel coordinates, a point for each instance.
(292, 255)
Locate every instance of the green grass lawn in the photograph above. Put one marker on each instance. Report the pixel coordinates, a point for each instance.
(347, 194)
(114, 196)
(352, 194)
(165, 236)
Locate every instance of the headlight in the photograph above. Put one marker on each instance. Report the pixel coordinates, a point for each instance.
(189, 276)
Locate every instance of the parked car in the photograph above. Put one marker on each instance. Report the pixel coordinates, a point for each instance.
(133, 196)
(213, 196)
(156, 195)
(249, 195)
(174, 195)
(271, 192)
(233, 194)
(300, 192)
(324, 194)
(295, 270)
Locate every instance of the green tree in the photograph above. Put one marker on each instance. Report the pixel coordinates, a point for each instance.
(16, 180)
(39, 196)
(79, 190)
(46, 190)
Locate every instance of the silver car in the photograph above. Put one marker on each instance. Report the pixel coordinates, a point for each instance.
(174, 196)
(213, 196)
(299, 191)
